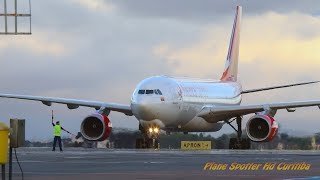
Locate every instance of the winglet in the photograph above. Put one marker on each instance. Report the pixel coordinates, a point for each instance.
(231, 68)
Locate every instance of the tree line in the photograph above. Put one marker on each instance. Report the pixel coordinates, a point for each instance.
(127, 139)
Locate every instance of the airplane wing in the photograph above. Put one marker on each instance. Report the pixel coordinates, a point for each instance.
(277, 87)
(220, 113)
(74, 103)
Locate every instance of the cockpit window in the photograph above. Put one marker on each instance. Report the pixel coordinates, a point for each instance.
(149, 91)
(141, 91)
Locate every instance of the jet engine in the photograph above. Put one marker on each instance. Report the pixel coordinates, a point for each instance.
(262, 128)
(96, 127)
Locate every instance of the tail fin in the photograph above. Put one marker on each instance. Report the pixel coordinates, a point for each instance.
(231, 68)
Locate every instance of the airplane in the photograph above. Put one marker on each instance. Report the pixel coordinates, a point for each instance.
(187, 105)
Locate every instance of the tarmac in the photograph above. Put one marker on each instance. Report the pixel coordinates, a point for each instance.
(98, 164)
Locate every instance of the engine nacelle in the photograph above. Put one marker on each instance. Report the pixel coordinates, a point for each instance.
(96, 127)
(262, 128)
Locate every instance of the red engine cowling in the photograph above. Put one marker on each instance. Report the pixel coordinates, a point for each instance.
(96, 127)
(262, 128)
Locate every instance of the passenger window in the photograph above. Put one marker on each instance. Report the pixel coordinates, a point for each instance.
(149, 91)
(159, 92)
(141, 91)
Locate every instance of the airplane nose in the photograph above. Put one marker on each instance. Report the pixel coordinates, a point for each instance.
(142, 111)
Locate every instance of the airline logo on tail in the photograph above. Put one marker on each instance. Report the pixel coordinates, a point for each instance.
(231, 68)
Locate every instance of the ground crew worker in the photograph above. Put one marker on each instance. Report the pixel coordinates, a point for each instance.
(57, 135)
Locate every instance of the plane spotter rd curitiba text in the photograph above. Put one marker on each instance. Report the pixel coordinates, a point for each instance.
(268, 166)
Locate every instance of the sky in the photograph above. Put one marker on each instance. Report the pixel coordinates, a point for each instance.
(101, 49)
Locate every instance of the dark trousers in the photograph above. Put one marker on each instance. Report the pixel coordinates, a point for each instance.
(57, 138)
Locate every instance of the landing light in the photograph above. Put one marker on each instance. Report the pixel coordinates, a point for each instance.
(150, 130)
(156, 130)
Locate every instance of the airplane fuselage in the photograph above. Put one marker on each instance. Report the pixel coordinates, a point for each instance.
(186, 105)
(173, 103)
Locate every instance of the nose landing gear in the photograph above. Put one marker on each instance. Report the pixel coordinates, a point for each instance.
(150, 138)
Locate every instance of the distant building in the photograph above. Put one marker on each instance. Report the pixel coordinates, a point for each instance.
(280, 146)
(314, 145)
(104, 144)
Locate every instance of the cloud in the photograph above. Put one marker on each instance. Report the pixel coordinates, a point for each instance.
(291, 37)
(208, 10)
(38, 45)
(160, 49)
(95, 5)
(278, 40)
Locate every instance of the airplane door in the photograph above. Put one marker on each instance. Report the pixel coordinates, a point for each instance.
(177, 97)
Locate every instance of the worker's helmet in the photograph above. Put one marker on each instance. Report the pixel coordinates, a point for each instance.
(58, 122)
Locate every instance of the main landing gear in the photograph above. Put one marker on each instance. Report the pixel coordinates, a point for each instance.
(238, 142)
(150, 138)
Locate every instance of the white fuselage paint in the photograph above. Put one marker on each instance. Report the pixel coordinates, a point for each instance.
(181, 100)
